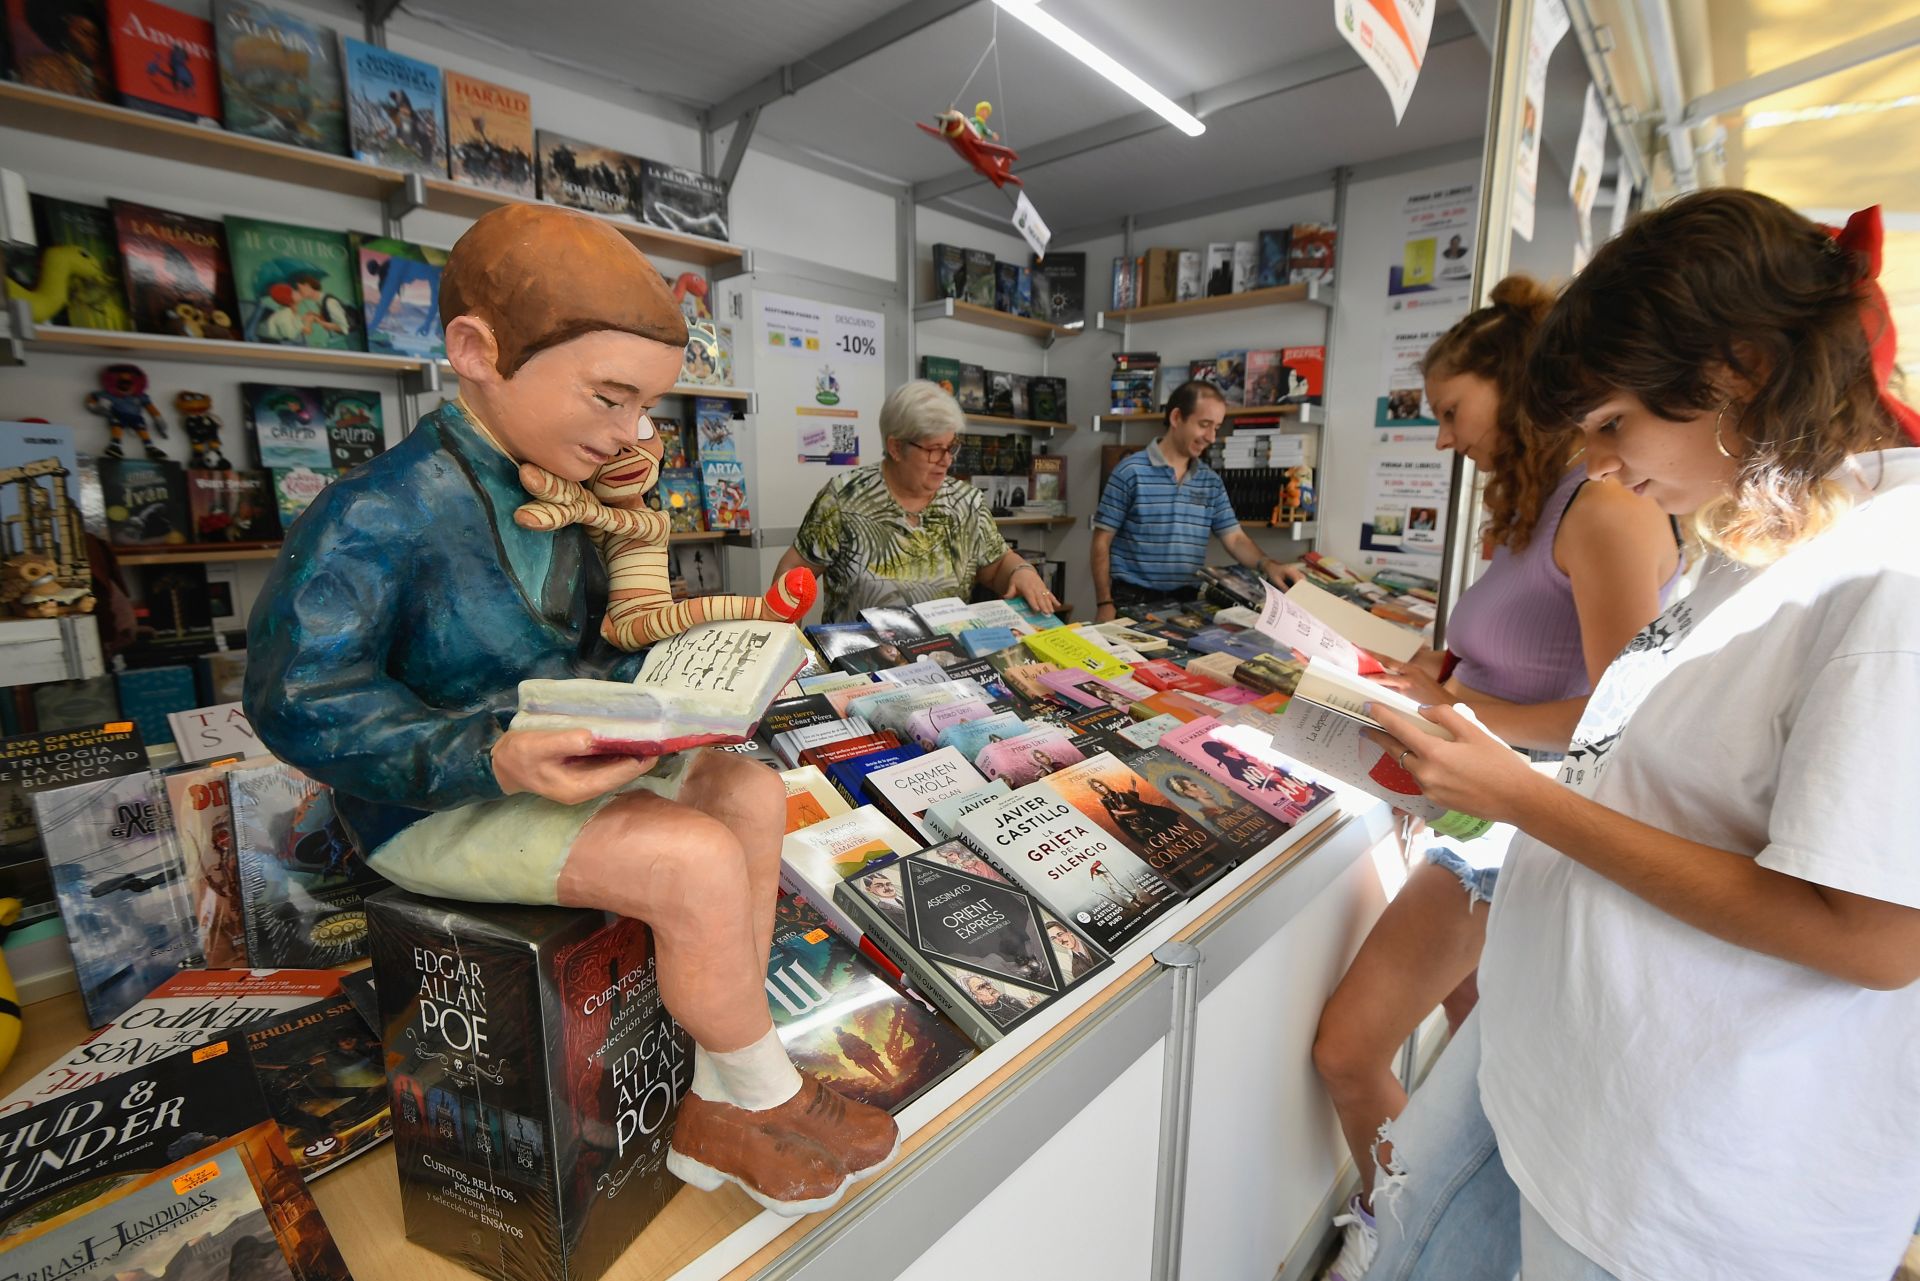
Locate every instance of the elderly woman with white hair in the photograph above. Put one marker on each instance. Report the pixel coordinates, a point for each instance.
(902, 530)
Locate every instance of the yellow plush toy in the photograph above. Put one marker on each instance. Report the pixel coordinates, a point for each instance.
(9, 999)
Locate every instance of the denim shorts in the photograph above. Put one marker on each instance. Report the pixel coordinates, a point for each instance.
(1476, 881)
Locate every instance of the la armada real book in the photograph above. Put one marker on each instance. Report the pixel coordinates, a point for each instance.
(986, 951)
(175, 1171)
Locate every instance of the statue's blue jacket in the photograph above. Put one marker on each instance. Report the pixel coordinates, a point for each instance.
(385, 653)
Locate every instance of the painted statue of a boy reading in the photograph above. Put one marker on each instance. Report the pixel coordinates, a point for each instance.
(408, 605)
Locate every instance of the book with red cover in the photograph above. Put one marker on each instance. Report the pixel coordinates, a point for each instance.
(164, 61)
(178, 280)
(1163, 675)
(1304, 371)
(848, 748)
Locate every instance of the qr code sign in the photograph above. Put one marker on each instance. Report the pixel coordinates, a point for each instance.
(846, 438)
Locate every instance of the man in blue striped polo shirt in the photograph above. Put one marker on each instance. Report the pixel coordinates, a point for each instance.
(1160, 508)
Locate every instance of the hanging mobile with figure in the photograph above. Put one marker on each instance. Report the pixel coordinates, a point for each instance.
(975, 143)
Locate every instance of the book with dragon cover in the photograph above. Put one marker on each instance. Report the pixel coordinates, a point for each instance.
(175, 1170)
(302, 881)
(839, 1019)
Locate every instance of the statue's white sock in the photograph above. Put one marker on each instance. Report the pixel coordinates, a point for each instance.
(755, 1077)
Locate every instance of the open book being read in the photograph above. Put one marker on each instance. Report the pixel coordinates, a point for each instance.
(709, 685)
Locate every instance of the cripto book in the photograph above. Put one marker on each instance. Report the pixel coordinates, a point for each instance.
(710, 684)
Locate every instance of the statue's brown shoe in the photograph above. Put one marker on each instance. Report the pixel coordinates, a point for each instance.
(863, 1137)
(788, 1173)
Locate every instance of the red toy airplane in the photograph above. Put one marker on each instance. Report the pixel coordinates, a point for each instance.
(969, 138)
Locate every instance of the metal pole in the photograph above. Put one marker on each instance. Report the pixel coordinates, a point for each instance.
(1176, 1108)
(1342, 180)
(1506, 98)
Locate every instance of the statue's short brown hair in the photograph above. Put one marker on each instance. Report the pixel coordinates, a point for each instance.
(539, 275)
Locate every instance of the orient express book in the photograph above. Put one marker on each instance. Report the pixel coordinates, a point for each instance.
(980, 947)
(297, 285)
(279, 76)
(394, 111)
(490, 135)
(121, 888)
(843, 1022)
(302, 881)
(176, 272)
(535, 1078)
(176, 1170)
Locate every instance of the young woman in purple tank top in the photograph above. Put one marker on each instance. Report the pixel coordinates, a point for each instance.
(1577, 569)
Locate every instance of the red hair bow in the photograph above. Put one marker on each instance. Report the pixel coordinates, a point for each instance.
(1862, 235)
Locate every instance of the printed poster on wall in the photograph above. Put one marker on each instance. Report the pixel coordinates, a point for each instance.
(1406, 500)
(1391, 37)
(825, 371)
(1435, 270)
(1549, 24)
(1402, 404)
(1588, 155)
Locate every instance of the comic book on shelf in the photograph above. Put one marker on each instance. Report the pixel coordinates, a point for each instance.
(279, 77)
(146, 501)
(302, 881)
(585, 175)
(683, 200)
(356, 426)
(121, 887)
(489, 135)
(841, 1020)
(61, 47)
(180, 1171)
(202, 814)
(176, 272)
(76, 277)
(399, 285)
(232, 506)
(324, 1074)
(164, 61)
(395, 113)
(288, 426)
(297, 286)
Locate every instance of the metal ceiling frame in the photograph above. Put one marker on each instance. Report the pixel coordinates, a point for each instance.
(1263, 84)
(1871, 47)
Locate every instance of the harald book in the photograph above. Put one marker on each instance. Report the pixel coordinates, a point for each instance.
(177, 1171)
(121, 887)
(297, 285)
(395, 115)
(489, 135)
(400, 295)
(840, 1020)
(279, 77)
(1071, 864)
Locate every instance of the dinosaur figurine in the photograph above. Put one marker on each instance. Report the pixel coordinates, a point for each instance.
(632, 539)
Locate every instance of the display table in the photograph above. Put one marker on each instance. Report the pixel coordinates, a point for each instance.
(968, 1136)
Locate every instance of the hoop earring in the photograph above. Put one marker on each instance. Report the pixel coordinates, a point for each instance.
(1717, 442)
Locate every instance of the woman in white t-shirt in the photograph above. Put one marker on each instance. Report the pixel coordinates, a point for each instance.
(1697, 1050)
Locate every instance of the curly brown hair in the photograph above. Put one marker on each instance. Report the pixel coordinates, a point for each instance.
(1491, 343)
(1715, 283)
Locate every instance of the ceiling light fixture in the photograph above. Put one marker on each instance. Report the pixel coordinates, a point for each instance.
(1029, 12)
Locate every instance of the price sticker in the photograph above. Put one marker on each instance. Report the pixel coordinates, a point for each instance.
(195, 1177)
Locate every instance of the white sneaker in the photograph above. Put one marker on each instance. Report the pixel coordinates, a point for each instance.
(1357, 1245)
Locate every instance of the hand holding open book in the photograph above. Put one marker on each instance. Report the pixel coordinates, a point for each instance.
(1457, 762)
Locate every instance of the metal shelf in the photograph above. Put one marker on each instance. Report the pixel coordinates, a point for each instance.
(1305, 415)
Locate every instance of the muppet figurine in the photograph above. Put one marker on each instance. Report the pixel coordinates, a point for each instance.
(122, 400)
(203, 430)
(409, 602)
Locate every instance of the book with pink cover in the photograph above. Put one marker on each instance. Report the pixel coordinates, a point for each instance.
(1027, 757)
(1245, 759)
(709, 685)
